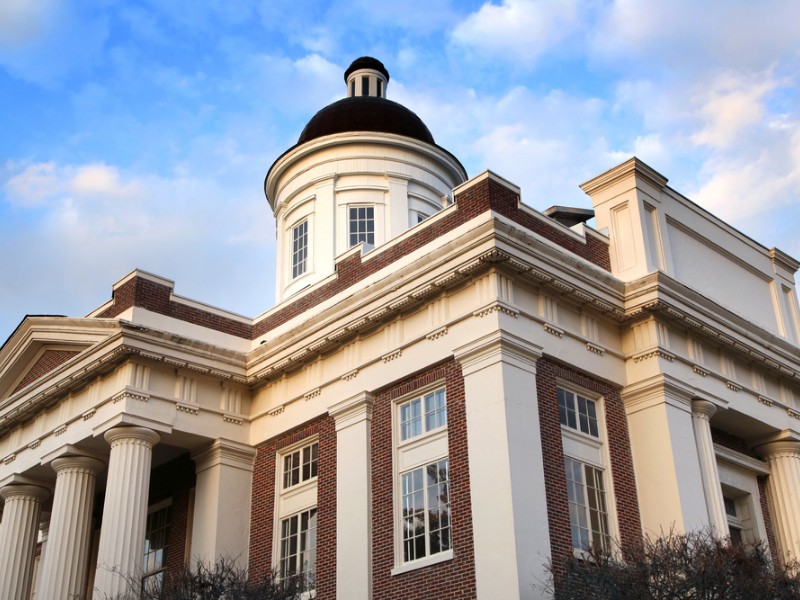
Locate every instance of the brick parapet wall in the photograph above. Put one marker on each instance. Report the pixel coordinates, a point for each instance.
(471, 202)
(549, 374)
(48, 361)
(262, 521)
(450, 579)
(175, 479)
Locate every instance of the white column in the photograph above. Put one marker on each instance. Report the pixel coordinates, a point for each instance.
(223, 492)
(18, 538)
(64, 568)
(507, 485)
(702, 411)
(119, 558)
(783, 491)
(353, 483)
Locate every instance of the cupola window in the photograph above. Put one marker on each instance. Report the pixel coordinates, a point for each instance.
(362, 225)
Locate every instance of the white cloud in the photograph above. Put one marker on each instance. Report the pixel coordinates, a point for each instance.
(518, 31)
(731, 104)
(23, 21)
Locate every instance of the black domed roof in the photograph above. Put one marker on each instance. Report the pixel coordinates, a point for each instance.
(366, 113)
(366, 62)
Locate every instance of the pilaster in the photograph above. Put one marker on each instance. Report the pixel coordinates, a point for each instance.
(354, 517)
(507, 484)
(222, 502)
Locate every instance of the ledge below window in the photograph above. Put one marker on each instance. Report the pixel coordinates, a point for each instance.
(423, 562)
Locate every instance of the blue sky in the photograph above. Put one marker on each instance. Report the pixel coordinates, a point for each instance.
(137, 134)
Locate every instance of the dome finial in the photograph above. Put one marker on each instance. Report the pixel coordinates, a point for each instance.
(366, 76)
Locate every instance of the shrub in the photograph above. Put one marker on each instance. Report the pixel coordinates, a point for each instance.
(694, 566)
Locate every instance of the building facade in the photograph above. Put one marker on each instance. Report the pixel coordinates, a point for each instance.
(452, 390)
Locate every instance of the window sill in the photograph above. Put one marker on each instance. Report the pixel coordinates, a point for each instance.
(423, 562)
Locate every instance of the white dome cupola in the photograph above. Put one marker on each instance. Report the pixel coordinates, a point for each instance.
(366, 76)
(364, 170)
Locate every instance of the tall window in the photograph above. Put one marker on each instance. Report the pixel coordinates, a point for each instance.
(584, 465)
(298, 547)
(155, 547)
(361, 226)
(299, 249)
(588, 514)
(296, 516)
(426, 510)
(423, 480)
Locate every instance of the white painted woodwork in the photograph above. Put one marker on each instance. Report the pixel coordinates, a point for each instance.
(702, 411)
(64, 567)
(18, 530)
(353, 487)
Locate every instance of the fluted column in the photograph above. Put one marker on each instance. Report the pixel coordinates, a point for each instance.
(18, 538)
(702, 411)
(783, 491)
(64, 568)
(119, 558)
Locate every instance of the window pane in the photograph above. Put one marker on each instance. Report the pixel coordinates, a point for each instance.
(361, 225)
(299, 249)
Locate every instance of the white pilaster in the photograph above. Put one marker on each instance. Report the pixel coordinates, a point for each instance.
(18, 538)
(353, 483)
(65, 563)
(702, 411)
(222, 498)
(783, 491)
(507, 487)
(119, 558)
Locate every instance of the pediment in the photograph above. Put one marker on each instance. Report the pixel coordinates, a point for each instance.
(42, 345)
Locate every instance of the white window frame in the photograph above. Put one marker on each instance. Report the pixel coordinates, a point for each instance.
(309, 573)
(313, 464)
(293, 500)
(738, 476)
(165, 504)
(591, 450)
(350, 221)
(411, 454)
(298, 268)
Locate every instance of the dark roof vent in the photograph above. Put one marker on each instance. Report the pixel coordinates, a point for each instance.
(568, 216)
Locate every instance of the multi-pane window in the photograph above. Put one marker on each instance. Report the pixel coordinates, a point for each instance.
(425, 498)
(423, 414)
(300, 465)
(155, 549)
(298, 547)
(361, 228)
(299, 249)
(588, 512)
(577, 412)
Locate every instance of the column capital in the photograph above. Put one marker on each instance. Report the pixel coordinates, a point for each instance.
(352, 410)
(27, 491)
(224, 452)
(146, 436)
(498, 346)
(780, 448)
(83, 464)
(703, 409)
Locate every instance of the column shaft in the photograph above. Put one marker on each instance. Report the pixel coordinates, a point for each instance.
(18, 538)
(702, 410)
(64, 568)
(783, 491)
(119, 559)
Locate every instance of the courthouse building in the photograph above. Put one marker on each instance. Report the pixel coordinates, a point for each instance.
(452, 389)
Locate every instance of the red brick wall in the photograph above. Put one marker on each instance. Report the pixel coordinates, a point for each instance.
(262, 522)
(174, 479)
(451, 579)
(48, 361)
(548, 374)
